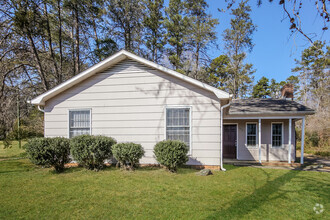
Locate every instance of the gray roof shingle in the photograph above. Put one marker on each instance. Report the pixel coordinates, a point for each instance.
(267, 106)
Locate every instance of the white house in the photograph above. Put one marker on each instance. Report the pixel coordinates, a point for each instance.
(135, 100)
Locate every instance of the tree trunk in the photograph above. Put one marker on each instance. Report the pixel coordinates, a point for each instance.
(60, 40)
(95, 34)
(38, 62)
(127, 43)
(73, 54)
(51, 46)
(77, 61)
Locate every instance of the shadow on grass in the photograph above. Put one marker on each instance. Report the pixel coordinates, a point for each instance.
(22, 155)
(12, 166)
(259, 197)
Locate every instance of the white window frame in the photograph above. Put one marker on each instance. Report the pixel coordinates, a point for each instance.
(257, 135)
(271, 135)
(190, 122)
(80, 109)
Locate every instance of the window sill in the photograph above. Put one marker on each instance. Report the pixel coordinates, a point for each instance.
(251, 146)
(277, 147)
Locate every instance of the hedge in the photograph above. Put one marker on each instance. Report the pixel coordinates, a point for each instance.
(91, 151)
(171, 154)
(53, 152)
(128, 154)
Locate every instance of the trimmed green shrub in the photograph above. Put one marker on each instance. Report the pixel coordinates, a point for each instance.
(49, 152)
(128, 154)
(171, 154)
(91, 151)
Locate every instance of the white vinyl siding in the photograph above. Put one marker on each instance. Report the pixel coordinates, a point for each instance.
(130, 109)
(79, 122)
(251, 134)
(277, 134)
(178, 124)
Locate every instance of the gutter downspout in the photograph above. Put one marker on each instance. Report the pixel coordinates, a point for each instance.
(42, 110)
(221, 137)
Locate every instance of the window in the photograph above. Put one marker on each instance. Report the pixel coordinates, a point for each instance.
(251, 135)
(79, 122)
(178, 124)
(277, 134)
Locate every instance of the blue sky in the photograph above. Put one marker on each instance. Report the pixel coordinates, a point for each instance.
(275, 51)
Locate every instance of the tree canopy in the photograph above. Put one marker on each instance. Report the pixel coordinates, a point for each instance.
(45, 42)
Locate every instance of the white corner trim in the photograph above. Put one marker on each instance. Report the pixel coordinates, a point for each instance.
(116, 58)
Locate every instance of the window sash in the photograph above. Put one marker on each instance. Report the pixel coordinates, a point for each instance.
(178, 124)
(277, 134)
(79, 122)
(251, 135)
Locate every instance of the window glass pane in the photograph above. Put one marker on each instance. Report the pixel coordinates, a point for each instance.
(177, 124)
(276, 135)
(251, 134)
(251, 129)
(79, 122)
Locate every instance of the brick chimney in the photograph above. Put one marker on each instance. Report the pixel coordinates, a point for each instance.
(287, 91)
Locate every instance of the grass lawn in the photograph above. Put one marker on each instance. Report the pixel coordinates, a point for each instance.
(29, 192)
(12, 152)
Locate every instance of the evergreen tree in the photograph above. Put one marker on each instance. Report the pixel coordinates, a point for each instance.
(218, 72)
(201, 34)
(104, 44)
(154, 28)
(127, 17)
(275, 88)
(314, 74)
(238, 41)
(261, 89)
(176, 24)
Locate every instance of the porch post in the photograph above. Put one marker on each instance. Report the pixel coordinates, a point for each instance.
(259, 141)
(290, 131)
(302, 141)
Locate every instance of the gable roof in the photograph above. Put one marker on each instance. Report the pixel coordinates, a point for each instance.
(116, 58)
(267, 106)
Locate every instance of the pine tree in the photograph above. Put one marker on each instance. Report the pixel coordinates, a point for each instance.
(201, 34)
(154, 35)
(176, 24)
(314, 74)
(238, 41)
(127, 16)
(217, 72)
(261, 89)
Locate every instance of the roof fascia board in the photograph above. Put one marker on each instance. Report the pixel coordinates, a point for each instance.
(270, 113)
(264, 117)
